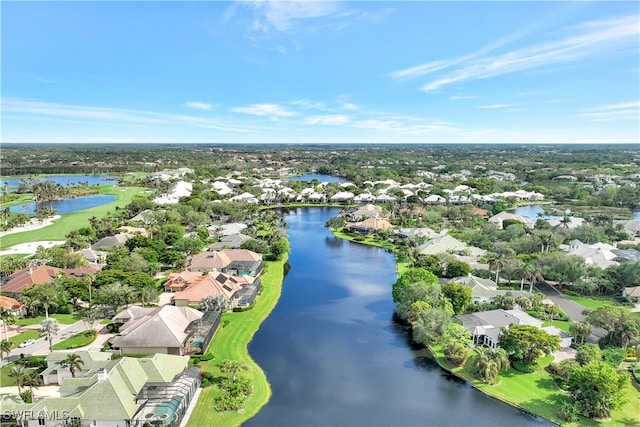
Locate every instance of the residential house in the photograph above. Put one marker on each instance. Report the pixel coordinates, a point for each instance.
(571, 223)
(190, 287)
(364, 212)
(598, 254)
(16, 307)
(94, 257)
(111, 242)
(22, 279)
(226, 229)
(486, 290)
(179, 190)
(342, 197)
(435, 199)
(167, 330)
(108, 393)
(626, 255)
(448, 244)
(415, 233)
(369, 226)
(245, 197)
(232, 241)
(237, 262)
(364, 198)
(485, 326)
(631, 293)
(134, 231)
(498, 220)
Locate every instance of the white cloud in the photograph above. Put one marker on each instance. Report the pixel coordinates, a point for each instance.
(328, 120)
(198, 105)
(29, 108)
(309, 105)
(590, 39)
(269, 17)
(495, 106)
(456, 97)
(264, 110)
(614, 112)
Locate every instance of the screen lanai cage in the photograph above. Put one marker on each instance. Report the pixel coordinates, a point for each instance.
(164, 404)
(201, 332)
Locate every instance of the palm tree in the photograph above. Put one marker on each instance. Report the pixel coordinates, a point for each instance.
(5, 348)
(73, 362)
(33, 379)
(18, 372)
(49, 328)
(230, 366)
(535, 274)
(7, 318)
(498, 262)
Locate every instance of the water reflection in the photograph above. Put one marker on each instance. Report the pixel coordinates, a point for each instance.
(335, 356)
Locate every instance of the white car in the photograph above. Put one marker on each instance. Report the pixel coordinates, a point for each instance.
(26, 343)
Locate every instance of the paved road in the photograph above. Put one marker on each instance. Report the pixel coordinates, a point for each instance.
(570, 308)
(41, 346)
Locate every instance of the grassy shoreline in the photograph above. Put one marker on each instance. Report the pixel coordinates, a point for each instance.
(75, 220)
(231, 343)
(535, 393)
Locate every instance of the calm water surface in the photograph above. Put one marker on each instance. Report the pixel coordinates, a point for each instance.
(69, 205)
(335, 357)
(319, 177)
(65, 180)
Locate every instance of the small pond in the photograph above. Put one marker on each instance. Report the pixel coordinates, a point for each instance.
(69, 205)
(319, 177)
(65, 180)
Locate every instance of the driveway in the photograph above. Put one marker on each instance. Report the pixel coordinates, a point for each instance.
(41, 346)
(572, 309)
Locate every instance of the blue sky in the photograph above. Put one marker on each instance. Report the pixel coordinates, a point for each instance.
(321, 72)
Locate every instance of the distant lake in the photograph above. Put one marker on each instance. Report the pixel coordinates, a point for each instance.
(532, 211)
(65, 180)
(319, 177)
(335, 356)
(69, 205)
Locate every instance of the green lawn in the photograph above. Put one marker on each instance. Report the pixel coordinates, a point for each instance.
(78, 340)
(538, 394)
(230, 343)
(591, 302)
(560, 324)
(75, 220)
(63, 319)
(366, 241)
(23, 336)
(5, 379)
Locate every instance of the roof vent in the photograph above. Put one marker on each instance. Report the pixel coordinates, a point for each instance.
(102, 374)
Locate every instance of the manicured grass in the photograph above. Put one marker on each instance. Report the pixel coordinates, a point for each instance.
(75, 220)
(591, 302)
(366, 241)
(63, 319)
(78, 340)
(230, 343)
(538, 394)
(5, 379)
(26, 335)
(560, 324)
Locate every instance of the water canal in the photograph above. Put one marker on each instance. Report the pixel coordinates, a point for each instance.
(334, 355)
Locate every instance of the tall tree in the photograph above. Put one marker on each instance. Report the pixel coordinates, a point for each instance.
(5, 348)
(7, 318)
(597, 388)
(18, 372)
(488, 363)
(526, 343)
(73, 362)
(49, 328)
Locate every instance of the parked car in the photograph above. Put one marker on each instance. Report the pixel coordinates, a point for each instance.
(26, 343)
